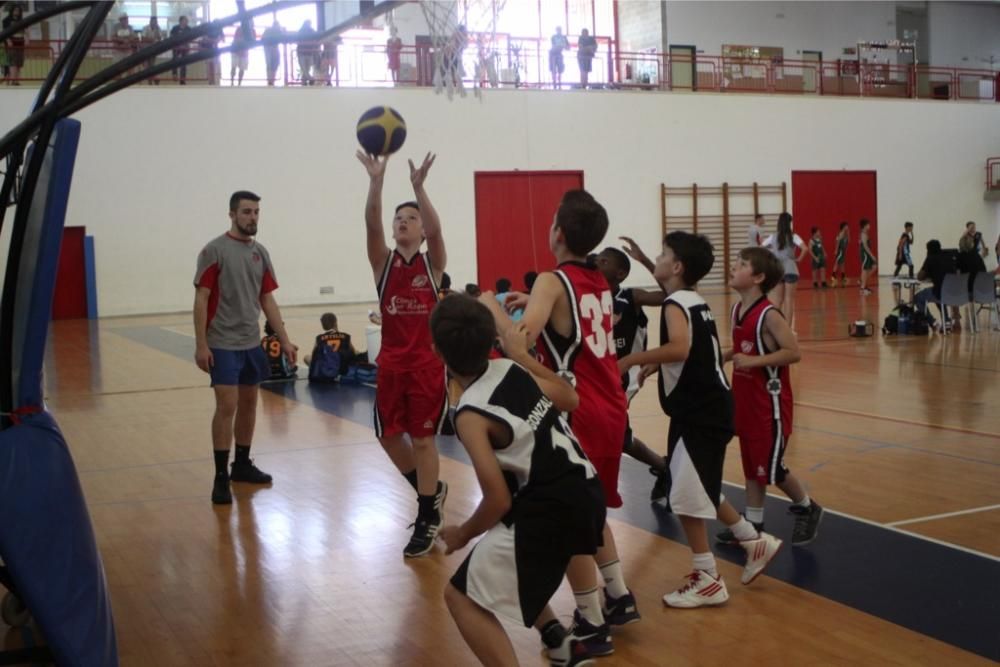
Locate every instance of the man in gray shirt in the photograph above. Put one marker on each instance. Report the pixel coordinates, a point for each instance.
(234, 282)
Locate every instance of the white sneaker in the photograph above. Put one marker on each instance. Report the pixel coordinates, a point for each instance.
(759, 554)
(701, 590)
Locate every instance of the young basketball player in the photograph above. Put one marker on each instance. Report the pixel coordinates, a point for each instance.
(569, 313)
(818, 255)
(276, 360)
(630, 336)
(542, 502)
(840, 258)
(335, 339)
(903, 250)
(763, 348)
(695, 394)
(868, 262)
(410, 398)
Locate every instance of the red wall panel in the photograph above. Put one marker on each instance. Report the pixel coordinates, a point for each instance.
(823, 199)
(70, 298)
(514, 212)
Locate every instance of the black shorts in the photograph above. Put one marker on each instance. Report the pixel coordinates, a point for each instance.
(516, 568)
(695, 457)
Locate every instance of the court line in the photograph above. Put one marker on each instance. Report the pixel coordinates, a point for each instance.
(993, 371)
(889, 445)
(898, 420)
(946, 515)
(886, 526)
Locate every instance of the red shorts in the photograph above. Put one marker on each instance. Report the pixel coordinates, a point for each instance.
(413, 402)
(607, 472)
(764, 457)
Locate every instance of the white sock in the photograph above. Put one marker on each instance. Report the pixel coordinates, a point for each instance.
(743, 530)
(805, 502)
(589, 604)
(706, 563)
(614, 580)
(755, 514)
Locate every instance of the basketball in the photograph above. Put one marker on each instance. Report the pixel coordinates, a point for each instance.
(381, 131)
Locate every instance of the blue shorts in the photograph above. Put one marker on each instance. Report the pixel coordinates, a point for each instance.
(234, 367)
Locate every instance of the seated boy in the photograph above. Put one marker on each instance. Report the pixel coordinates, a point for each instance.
(695, 394)
(542, 502)
(276, 359)
(332, 337)
(763, 348)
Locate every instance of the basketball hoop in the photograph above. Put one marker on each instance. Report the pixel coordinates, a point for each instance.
(449, 25)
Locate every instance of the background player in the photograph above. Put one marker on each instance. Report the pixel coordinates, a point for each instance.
(410, 395)
(763, 348)
(694, 393)
(630, 336)
(868, 262)
(840, 258)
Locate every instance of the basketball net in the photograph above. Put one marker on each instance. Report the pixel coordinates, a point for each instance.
(448, 21)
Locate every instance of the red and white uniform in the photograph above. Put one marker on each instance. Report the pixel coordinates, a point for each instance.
(587, 357)
(763, 399)
(410, 395)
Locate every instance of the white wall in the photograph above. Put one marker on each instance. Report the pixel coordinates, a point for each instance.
(156, 167)
(965, 34)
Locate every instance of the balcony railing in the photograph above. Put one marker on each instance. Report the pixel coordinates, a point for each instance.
(523, 63)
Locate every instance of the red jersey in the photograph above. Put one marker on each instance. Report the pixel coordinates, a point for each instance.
(407, 294)
(587, 357)
(762, 396)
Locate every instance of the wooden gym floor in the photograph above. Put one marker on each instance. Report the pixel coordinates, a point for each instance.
(898, 437)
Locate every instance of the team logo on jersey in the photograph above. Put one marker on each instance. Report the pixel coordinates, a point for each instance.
(401, 305)
(398, 263)
(255, 257)
(774, 386)
(746, 346)
(419, 281)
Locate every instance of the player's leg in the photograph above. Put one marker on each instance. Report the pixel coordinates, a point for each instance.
(426, 410)
(254, 369)
(226, 399)
(788, 310)
(641, 452)
(807, 512)
(480, 629)
(589, 625)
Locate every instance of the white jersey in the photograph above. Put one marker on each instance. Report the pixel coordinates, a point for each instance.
(542, 447)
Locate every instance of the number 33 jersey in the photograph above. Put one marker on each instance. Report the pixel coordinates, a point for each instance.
(587, 358)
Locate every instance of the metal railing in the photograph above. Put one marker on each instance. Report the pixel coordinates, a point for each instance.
(524, 63)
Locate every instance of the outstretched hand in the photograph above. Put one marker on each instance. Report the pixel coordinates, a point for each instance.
(374, 165)
(418, 176)
(633, 250)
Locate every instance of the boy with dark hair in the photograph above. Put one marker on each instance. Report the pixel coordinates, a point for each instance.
(334, 339)
(630, 336)
(763, 348)
(542, 502)
(903, 250)
(695, 394)
(840, 256)
(411, 396)
(818, 255)
(569, 314)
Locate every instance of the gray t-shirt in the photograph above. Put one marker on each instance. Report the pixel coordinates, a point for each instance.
(238, 273)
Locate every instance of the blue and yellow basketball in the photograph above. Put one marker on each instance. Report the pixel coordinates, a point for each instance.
(381, 131)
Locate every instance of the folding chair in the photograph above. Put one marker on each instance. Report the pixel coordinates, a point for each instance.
(984, 297)
(954, 292)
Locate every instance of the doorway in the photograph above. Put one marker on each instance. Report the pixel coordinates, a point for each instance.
(514, 211)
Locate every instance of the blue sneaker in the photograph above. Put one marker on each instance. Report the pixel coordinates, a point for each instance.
(571, 653)
(620, 611)
(595, 638)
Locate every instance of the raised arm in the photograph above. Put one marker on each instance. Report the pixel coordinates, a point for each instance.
(643, 297)
(429, 216)
(559, 391)
(378, 251)
(633, 250)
